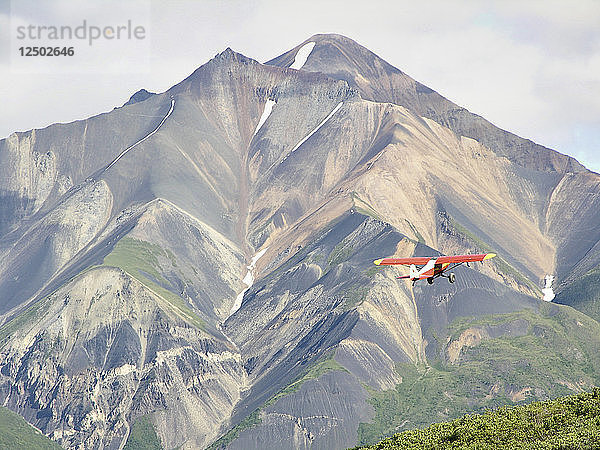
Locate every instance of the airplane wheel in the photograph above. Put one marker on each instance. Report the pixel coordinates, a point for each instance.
(430, 280)
(451, 277)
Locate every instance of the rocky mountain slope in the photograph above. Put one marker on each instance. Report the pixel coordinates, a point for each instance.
(201, 260)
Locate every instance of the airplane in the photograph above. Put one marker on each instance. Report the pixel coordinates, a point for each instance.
(432, 267)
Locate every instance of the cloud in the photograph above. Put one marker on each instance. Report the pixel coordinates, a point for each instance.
(530, 67)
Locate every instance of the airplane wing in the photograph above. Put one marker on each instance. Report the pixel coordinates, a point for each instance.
(432, 266)
(423, 260)
(417, 261)
(464, 258)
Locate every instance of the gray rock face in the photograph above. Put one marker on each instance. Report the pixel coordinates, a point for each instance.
(88, 359)
(323, 413)
(48, 244)
(203, 257)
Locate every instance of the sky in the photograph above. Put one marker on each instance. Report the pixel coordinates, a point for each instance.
(530, 67)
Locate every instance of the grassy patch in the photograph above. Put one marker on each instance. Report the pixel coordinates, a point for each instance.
(16, 433)
(315, 257)
(372, 271)
(341, 252)
(143, 436)
(252, 420)
(136, 257)
(460, 324)
(583, 294)
(363, 207)
(355, 295)
(28, 317)
(419, 236)
(142, 260)
(313, 373)
(568, 422)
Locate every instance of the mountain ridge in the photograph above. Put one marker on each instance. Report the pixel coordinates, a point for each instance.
(410, 93)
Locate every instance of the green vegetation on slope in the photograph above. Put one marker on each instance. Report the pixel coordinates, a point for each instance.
(16, 433)
(583, 294)
(355, 295)
(419, 236)
(141, 260)
(568, 422)
(555, 357)
(314, 372)
(340, 253)
(363, 207)
(142, 436)
(28, 317)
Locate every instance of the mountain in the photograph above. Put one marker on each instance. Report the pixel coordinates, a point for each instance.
(200, 261)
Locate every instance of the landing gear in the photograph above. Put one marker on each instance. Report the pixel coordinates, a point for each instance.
(451, 277)
(430, 280)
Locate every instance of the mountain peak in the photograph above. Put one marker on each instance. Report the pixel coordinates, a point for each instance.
(226, 59)
(376, 80)
(230, 55)
(139, 96)
(334, 54)
(331, 38)
(227, 53)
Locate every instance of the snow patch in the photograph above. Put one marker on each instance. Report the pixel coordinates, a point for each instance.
(339, 105)
(302, 55)
(256, 257)
(265, 115)
(125, 369)
(248, 281)
(249, 278)
(238, 301)
(548, 291)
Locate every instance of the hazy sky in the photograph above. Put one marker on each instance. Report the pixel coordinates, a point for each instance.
(531, 67)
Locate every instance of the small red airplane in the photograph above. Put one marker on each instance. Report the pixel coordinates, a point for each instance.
(432, 267)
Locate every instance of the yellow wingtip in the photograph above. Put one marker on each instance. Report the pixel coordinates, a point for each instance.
(489, 256)
(377, 262)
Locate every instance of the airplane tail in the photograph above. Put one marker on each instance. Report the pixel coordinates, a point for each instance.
(414, 273)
